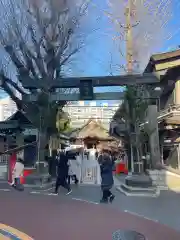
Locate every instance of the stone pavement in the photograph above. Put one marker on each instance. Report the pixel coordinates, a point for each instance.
(61, 217)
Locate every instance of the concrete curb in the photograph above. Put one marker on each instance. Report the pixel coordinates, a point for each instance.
(39, 186)
(153, 195)
(138, 188)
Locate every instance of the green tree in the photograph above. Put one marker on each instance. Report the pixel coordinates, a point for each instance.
(132, 112)
(63, 121)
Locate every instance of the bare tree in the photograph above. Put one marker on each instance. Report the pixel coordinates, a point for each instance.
(38, 41)
(151, 22)
(149, 25)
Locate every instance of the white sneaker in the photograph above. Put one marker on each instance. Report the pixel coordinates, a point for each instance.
(70, 191)
(53, 194)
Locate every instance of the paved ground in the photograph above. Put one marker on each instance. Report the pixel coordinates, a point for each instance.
(164, 209)
(78, 217)
(50, 217)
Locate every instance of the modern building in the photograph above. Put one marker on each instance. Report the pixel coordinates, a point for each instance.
(81, 112)
(7, 108)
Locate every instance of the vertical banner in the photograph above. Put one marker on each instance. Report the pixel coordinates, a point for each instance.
(12, 163)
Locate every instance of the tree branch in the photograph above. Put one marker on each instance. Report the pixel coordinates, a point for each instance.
(39, 41)
(13, 84)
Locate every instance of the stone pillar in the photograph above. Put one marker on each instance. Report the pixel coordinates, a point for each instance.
(176, 92)
(152, 115)
(19, 139)
(19, 143)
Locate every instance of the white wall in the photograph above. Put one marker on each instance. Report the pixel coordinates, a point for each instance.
(7, 108)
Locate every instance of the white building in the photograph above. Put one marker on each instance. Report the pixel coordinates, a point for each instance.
(80, 113)
(7, 108)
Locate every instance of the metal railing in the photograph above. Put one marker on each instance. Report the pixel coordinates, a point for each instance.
(170, 109)
(4, 159)
(10, 151)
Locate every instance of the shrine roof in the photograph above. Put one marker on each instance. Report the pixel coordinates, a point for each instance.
(14, 122)
(20, 117)
(161, 61)
(92, 129)
(166, 56)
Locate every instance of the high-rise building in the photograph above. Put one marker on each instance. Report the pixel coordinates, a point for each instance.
(7, 108)
(93, 104)
(81, 103)
(80, 113)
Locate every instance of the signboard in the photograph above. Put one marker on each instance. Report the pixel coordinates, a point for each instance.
(86, 90)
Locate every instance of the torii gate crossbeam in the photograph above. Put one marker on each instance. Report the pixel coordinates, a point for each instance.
(96, 81)
(86, 85)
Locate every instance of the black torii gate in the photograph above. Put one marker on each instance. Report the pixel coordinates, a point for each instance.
(86, 85)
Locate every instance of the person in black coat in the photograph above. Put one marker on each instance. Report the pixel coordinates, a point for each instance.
(62, 172)
(107, 181)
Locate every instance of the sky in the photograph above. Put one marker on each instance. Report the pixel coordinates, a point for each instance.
(102, 47)
(101, 55)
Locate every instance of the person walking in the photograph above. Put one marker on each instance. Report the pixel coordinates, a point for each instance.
(73, 167)
(17, 173)
(107, 181)
(71, 172)
(62, 172)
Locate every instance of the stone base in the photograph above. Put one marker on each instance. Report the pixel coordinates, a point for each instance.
(37, 179)
(139, 185)
(141, 180)
(138, 192)
(40, 177)
(165, 179)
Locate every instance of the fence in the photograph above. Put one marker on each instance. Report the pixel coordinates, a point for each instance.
(90, 172)
(4, 166)
(4, 159)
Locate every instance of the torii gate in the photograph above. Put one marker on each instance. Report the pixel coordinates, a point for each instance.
(86, 92)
